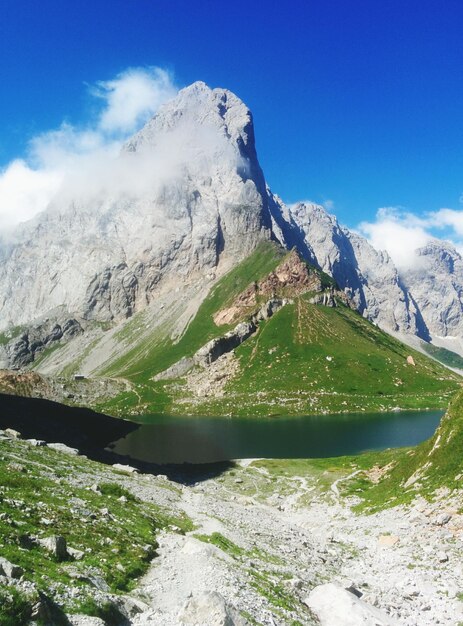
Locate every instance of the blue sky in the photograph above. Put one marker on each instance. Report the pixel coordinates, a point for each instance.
(356, 103)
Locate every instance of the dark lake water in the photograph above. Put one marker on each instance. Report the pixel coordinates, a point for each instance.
(165, 439)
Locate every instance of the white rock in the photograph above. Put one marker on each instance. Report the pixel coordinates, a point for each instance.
(334, 606)
(209, 609)
(75, 553)
(127, 469)
(62, 447)
(85, 620)
(56, 545)
(9, 569)
(12, 434)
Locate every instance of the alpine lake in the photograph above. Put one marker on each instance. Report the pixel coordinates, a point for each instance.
(174, 440)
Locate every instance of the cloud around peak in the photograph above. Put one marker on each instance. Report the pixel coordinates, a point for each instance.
(55, 157)
(132, 97)
(401, 232)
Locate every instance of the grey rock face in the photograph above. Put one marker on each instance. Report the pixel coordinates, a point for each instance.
(194, 195)
(187, 196)
(367, 276)
(22, 350)
(209, 608)
(436, 283)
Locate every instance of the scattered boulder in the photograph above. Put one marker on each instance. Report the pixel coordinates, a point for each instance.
(62, 447)
(56, 545)
(129, 607)
(127, 469)
(388, 541)
(76, 554)
(335, 606)
(209, 609)
(12, 434)
(442, 556)
(9, 569)
(443, 518)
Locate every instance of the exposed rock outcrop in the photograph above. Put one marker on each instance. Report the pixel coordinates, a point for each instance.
(23, 349)
(199, 198)
(367, 276)
(291, 278)
(231, 340)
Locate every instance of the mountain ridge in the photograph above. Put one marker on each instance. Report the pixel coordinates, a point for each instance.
(191, 203)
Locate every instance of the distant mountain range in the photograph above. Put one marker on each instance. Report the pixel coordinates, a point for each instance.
(185, 202)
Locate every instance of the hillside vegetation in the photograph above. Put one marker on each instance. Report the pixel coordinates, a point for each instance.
(432, 466)
(306, 358)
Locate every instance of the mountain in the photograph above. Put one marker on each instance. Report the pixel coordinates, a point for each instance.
(436, 282)
(369, 277)
(134, 248)
(275, 338)
(191, 194)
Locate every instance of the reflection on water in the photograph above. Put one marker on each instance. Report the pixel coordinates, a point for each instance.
(165, 439)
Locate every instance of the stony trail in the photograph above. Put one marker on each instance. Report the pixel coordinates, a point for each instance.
(277, 548)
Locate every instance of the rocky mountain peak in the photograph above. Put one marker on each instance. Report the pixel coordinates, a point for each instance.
(185, 200)
(186, 193)
(435, 279)
(204, 118)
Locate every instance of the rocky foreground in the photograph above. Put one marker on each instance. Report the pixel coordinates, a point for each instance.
(255, 544)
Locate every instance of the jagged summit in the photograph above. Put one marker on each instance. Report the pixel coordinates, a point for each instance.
(185, 201)
(368, 276)
(186, 193)
(201, 107)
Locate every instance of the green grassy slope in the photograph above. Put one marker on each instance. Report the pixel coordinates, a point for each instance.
(434, 464)
(45, 493)
(310, 359)
(142, 363)
(447, 357)
(159, 352)
(305, 359)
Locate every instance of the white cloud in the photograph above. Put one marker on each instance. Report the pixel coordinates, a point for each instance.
(401, 232)
(60, 160)
(132, 97)
(444, 218)
(24, 192)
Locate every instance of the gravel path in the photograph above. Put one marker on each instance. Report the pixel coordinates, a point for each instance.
(405, 561)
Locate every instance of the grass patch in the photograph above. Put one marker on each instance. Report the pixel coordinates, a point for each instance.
(114, 489)
(45, 493)
(226, 545)
(107, 611)
(297, 364)
(15, 608)
(447, 357)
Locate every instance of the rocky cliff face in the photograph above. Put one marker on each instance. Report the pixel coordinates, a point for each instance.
(368, 276)
(436, 282)
(194, 195)
(187, 198)
(425, 300)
